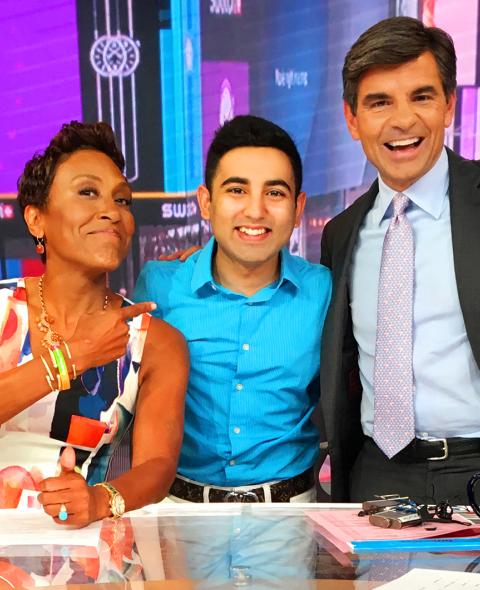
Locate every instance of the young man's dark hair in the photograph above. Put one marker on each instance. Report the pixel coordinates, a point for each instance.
(395, 41)
(250, 131)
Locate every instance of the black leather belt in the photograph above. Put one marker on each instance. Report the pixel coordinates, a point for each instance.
(438, 449)
(281, 491)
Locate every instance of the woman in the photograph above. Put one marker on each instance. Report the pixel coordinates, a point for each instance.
(76, 360)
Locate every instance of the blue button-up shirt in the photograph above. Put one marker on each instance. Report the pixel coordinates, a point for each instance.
(446, 377)
(248, 404)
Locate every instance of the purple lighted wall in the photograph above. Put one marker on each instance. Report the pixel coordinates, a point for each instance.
(468, 122)
(225, 93)
(460, 19)
(39, 79)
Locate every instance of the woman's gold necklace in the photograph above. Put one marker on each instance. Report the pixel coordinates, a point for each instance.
(44, 323)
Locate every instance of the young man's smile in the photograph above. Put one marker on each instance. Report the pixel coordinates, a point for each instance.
(253, 233)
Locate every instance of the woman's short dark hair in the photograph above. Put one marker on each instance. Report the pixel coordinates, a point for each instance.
(394, 41)
(250, 131)
(37, 177)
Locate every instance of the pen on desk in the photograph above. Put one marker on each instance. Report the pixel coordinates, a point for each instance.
(451, 544)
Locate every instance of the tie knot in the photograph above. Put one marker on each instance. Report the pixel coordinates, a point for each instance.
(400, 203)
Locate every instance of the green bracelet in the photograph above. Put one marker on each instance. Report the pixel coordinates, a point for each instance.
(59, 363)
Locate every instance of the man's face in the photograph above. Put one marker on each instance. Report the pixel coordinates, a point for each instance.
(402, 113)
(252, 207)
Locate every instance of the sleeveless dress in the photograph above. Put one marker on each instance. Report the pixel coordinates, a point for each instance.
(92, 416)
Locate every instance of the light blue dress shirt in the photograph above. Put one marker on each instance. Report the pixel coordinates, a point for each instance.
(446, 377)
(248, 404)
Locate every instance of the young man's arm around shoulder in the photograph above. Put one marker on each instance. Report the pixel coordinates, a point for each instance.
(154, 282)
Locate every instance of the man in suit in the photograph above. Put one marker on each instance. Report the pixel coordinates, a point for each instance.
(401, 348)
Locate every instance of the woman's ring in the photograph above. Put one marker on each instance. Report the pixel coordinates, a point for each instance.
(62, 513)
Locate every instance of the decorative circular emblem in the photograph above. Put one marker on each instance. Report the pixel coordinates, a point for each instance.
(114, 56)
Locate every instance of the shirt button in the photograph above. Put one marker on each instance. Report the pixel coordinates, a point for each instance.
(239, 387)
(236, 430)
(246, 347)
(213, 286)
(231, 462)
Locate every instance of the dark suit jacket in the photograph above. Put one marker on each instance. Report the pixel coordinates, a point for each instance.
(340, 384)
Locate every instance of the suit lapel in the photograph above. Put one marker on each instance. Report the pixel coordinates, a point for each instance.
(345, 250)
(336, 327)
(464, 194)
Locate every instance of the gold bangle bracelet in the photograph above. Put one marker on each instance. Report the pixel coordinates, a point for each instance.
(67, 349)
(50, 374)
(60, 365)
(74, 370)
(50, 383)
(63, 382)
(54, 362)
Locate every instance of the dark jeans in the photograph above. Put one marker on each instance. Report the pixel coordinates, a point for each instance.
(423, 481)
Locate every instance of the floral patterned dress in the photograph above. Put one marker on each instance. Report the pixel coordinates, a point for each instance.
(92, 416)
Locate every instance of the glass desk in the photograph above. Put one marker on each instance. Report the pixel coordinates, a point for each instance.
(213, 547)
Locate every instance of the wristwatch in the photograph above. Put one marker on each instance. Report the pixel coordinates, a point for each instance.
(116, 501)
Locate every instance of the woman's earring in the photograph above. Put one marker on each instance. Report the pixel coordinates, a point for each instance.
(40, 244)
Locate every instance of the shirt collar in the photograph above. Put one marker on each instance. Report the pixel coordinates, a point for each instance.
(288, 270)
(202, 273)
(429, 192)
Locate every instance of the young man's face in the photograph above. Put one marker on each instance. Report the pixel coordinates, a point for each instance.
(402, 113)
(252, 208)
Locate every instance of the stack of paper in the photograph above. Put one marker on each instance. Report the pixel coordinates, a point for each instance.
(419, 579)
(34, 527)
(353, 534)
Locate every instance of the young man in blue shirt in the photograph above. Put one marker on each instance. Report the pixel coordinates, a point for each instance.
(252, 315)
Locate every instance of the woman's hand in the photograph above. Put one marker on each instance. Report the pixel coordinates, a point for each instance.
(84, 504)
(102, 337)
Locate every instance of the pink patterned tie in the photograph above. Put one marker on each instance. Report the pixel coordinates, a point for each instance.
(394, 422)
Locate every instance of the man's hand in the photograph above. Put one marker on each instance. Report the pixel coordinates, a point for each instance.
(102, 337)
(181, 255)
(70, 491)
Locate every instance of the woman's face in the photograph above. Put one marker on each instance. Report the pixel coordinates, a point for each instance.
(87, 219)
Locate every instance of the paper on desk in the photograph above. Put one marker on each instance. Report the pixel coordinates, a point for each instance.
(34, 527)
(420, 579)
(341, 527)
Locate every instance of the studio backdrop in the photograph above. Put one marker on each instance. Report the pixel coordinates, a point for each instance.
(166, 73)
